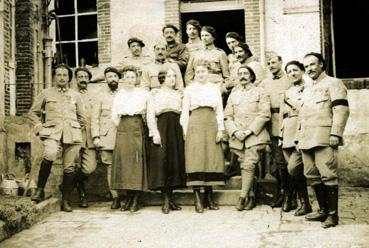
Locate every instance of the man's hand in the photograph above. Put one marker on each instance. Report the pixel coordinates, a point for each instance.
(96, 142)
(240, 135)
(334, 141)
(247, 133)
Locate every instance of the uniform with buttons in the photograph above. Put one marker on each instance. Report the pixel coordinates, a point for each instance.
(59, 116)
(324, 112)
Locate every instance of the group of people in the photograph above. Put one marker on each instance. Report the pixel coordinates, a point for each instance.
(160, 125)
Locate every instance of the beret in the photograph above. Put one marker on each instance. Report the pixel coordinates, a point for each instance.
(112, 69)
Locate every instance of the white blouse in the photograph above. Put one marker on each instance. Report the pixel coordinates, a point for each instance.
(161, 101)
(129, 102)
(198, 95)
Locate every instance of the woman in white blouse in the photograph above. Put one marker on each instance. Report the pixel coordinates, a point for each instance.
(129, 170)
(203, 126)
(166, 167)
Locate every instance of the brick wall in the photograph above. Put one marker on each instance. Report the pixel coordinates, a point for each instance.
(7, 40)
(252, 25)
(104, 31)
(172, 14)
(24, 55)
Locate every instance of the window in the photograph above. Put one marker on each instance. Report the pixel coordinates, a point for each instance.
(76, 32)
(350, 26)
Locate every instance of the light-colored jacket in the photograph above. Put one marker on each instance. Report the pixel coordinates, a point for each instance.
(289, 111)
(88, 99)
(102, 125)
(275, 89)
(59, 115)
(247, 109)
(324, 112)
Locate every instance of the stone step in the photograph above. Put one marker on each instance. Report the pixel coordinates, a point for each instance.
(223, 195)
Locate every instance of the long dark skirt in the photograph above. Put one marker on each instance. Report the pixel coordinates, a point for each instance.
(166, 167)
(204, 157)
(129, 170)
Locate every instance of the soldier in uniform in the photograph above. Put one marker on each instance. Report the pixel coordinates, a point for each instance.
(177, 52)
(244, 56)
(246, 115)
(290, 107)
(58, 115)
(275, 85)
(193, 29)
(136, 58)
(150, 73)
(103, 130)
(322, 120)
(216, 57)
(87, 160)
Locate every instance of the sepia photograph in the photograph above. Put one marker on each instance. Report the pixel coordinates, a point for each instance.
(184, 124)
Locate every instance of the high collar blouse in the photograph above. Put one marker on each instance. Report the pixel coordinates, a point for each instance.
(129, 102)
(161, 101)
(198, 95)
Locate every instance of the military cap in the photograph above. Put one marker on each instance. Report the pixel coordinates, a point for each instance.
(135, 39)
(112, 69)
(83, 69)
(176, 30)
(272, 54)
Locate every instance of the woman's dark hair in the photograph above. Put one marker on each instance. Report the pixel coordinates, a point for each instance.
(235, 36)
(296, 63)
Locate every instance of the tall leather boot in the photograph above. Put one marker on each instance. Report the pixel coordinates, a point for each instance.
(128, 202)
(251, 201)
(303, 196)
(68, 186)
(43, 175)
(134, 206)
(198, 204)
(288, 194)
(165, 208)
(172, 204)
(321, 196)
(332, 219)
(209, 200)
(281, 179)
(80, 184)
